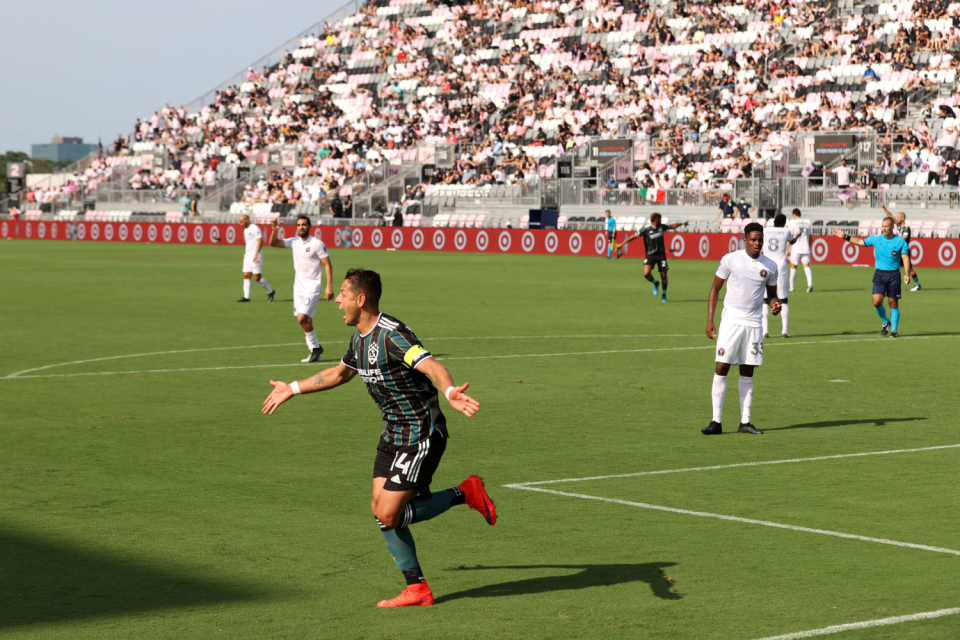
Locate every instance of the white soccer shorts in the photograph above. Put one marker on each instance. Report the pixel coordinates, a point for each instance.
(737, 344)
(305, 304)
(797, 258)
(249, 266)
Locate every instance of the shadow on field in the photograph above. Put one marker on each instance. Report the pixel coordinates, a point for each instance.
(877, 422)
(46, 582)
(590, 575)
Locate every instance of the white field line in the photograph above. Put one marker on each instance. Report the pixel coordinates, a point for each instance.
(322, 365)
(929, 615)
(776, 525)
(524, 485)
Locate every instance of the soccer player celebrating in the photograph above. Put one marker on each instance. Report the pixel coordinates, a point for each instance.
(776, 239)
(309, 253)
(253, 259)
(903, 230)
(800, 253)
(752, 277)
(612, 235)
(652, 236)
(889, 250)
(402, 377)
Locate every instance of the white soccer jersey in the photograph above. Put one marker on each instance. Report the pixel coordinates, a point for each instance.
(307, 256)
(747, 281)
(250, 237)
(801, 230)
(775, 243)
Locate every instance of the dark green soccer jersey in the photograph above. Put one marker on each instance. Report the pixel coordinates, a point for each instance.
(387, 360)
(653, 239)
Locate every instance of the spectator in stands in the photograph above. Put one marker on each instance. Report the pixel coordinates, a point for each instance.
(193, 210)
(336, 207)
(744, 209)
(948, 139)
(935, 164)
(870, 75)
(727, 211)
(348, 207)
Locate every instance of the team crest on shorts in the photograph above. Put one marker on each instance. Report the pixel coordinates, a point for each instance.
(720, 351)
(373, 352)
(763, 273)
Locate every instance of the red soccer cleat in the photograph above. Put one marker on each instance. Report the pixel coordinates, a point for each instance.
(475, 496)
(415, 595)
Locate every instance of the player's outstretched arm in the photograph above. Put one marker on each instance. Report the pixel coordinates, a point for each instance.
(443, 380)
(851, 239)
(712, 301)
(678, 224)
(275, 240)
(328, 272)
(322, 381)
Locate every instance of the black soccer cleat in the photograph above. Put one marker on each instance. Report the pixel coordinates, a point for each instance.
(244, 300)
(713, 429)
(270, 295)
(885, 329)
(315, 355)
(894, 334)
(749, 428)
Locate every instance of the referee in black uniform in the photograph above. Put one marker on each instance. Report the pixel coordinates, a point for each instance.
(656, 251)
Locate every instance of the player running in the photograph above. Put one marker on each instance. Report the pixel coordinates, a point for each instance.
(889, 250)
(612, 235)
(776, 239)
(800, 253)
(309, 253)
(402, 377)
(752, 276)
(903, 230)
(652, 236)
(253, 259)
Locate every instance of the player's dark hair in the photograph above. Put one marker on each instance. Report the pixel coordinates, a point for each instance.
(796, 212)
(655, 216)
(304, 217)
(779, 220)
(750, 228)
(366, 282)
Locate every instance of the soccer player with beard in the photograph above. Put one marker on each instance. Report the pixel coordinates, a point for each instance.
(402, 377)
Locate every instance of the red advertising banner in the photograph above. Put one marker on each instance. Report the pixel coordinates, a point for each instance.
(926, 252)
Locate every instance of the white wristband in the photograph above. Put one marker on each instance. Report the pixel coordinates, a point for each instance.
(295, 387)
(447, 392)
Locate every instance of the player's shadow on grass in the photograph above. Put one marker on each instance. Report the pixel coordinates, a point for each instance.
(589, 575)
(877, 422)
(42, 582)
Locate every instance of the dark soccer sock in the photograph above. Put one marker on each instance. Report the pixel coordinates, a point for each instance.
(413, 576)
(916, 279)
(664, 281)
(401, 546)
(429, 506)
(650, 277)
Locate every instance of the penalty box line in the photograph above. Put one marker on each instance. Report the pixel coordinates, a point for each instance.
(839, 628)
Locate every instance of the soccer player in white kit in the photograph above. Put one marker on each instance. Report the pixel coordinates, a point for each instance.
(776, 239)
(749, 275)
(309, 254)
(253, 259)
(802, 231)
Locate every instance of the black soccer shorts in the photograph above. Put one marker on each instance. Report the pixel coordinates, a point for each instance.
(410, 467)
(659, 260)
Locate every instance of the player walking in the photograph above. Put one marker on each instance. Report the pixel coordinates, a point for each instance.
(889, 250)
(800, 253)
(253, 259)
(903, 230)
(776, 239)
(740, 341)
(612, 235)
(656, 251)
(309, 253)
(402, 377)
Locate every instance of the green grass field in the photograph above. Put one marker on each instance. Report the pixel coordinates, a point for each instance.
(157, 502)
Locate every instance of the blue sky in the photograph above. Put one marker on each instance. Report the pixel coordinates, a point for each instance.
(91, 68)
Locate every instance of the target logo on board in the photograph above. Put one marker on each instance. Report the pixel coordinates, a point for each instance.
(460, 240)
(528, 242)
(197, 233)
(677, 245)
(108, 231)
(231, 235)
(551, 242)
(337, 237)
(81, 231)
(820, 250)
(600, 243)
(167, 233)
(137, 233)
(439, 239)
(704, 247)
(417, 239)
(504, 241)
(376, 238)
(281, 233)
(182, 233)
(575, 243)
(53, 231)
(28, 228)
(483, 241)
(124, 232)
(214, 234)
(4, 229)
(947, 254)
(733, 245)
(850, 252)
(357, 237)
(42, 230)
(152, 233)
(916, 252)
(396, 238)
(94, 232)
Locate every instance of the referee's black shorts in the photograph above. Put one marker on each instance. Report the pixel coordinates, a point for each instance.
(887, 283)
(410, 467)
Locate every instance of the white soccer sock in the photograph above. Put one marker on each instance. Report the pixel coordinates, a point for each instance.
(263, 283)
(312, 342)
(746, 399)
(719, 392)
(785, 316)
(246, 287)
(809, 275)
(793, 278)
(765, 320)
